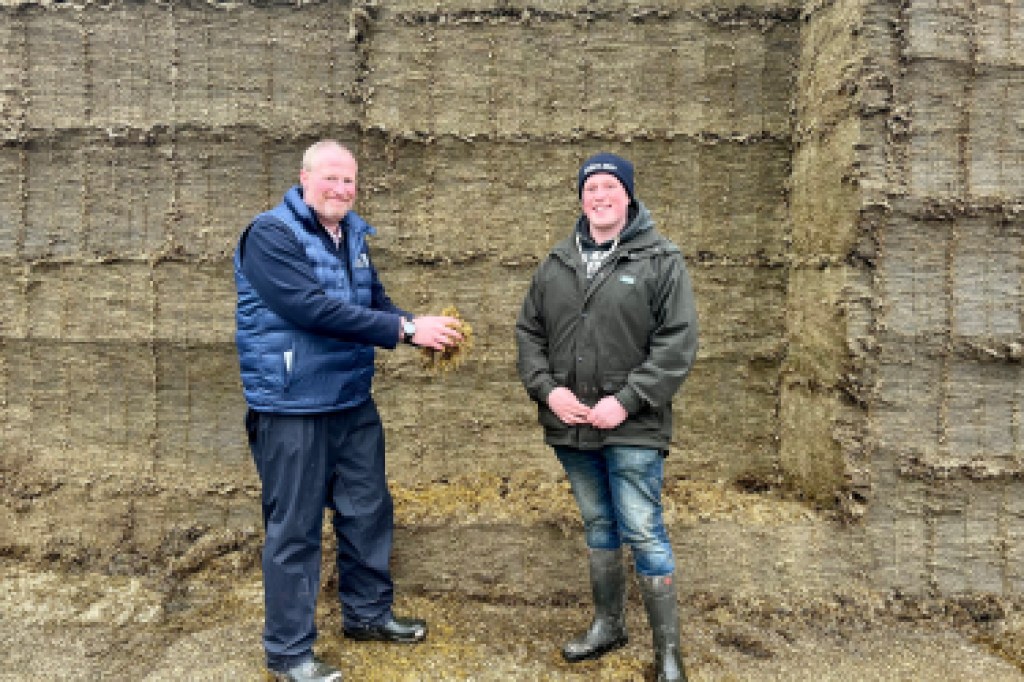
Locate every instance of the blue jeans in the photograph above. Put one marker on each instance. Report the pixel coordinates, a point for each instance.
(618, 491)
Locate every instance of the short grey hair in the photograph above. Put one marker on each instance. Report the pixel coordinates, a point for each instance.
(309, 157)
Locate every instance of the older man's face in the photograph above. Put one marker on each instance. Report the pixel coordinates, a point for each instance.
(329, 186)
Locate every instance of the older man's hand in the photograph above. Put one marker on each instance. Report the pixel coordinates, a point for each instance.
(436, 331)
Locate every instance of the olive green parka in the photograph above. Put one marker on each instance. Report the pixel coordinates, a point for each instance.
(629, 332)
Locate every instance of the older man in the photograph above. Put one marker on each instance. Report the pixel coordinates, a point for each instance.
(311, 310)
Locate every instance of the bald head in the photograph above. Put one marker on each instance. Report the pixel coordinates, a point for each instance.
(315, 150)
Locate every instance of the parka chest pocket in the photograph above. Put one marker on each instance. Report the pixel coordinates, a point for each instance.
(631, 282)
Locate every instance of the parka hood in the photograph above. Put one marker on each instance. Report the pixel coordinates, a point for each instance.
(639, 233)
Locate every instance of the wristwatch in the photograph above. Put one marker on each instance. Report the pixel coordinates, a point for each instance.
(408, 331)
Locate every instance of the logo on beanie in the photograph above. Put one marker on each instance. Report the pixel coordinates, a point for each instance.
(598, 167)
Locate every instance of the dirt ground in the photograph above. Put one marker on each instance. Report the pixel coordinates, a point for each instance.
(197, 613)
(66, 625)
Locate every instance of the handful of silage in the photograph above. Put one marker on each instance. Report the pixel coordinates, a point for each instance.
(443, 361)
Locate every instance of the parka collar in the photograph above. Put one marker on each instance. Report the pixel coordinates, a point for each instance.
(637, 235)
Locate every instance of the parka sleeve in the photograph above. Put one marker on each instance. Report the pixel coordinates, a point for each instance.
(532, 345)
(673, 343)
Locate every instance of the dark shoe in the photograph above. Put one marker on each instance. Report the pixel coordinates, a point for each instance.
(607, 631)
(401, 630)
(659, 594)
(310, 670)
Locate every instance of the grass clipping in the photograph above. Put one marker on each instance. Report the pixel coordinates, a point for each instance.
(439, 362)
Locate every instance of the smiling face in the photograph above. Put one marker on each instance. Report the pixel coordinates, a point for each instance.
(605, 203)
(328, 180)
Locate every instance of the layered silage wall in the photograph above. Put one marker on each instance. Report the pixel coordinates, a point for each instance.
(845, 180)
(485, 161)
(130, 165)
(947, 423)
(831, 292)
(906, 287)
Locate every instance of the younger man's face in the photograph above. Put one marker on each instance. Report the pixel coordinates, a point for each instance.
(605, 202)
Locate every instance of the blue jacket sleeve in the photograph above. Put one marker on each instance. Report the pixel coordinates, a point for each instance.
(275, 264)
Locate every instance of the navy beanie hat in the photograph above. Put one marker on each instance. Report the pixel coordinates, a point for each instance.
(606, 162)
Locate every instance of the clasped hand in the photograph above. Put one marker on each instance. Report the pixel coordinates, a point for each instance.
(606, 414)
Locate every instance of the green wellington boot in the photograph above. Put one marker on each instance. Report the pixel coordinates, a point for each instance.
(659, 595)
(608, 629)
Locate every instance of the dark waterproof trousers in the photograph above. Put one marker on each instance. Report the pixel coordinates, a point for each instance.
(307, 463)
